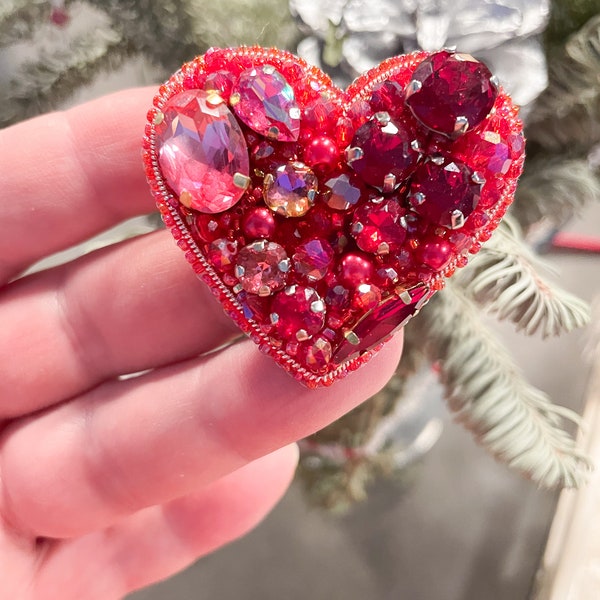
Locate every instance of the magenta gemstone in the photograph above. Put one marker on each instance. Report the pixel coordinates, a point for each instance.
(200, 150)
(382, 321)
(387, 96)
(312, 259)
(383, 152)
(444, 191)
(342, 191)
(262, 267)
(450, 92)
(378, 228)
(265, 101)
(298, 313)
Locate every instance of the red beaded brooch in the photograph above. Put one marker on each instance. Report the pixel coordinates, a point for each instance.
(322, 219)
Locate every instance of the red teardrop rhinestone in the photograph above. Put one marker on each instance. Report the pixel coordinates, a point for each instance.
(451, 92)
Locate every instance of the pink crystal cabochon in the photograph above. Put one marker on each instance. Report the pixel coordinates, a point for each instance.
(323, 220)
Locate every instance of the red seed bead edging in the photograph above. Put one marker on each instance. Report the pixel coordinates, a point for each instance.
(395, 268)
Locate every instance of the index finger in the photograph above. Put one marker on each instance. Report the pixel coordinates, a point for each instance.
(68, 175)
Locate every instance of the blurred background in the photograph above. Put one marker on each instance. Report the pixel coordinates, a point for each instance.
(448, 521)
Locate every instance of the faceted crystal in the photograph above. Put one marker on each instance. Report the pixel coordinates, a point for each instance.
(261, 267)
(265, 101)
(312, 259)
(298, 312)
(444, 191)
(382, 152)
(202, 152)
(221, 253)
(377, 228)
(383, 320)
(290, 191)
(342, 191)
(316, 354)
(451, 92)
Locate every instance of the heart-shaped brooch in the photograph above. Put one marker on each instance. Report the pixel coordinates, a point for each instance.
(323, 220)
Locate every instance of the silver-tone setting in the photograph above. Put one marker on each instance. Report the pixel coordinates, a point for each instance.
(353, 154)
(264, 290)
(302, 335)
(357, 227)
(237, 288)
(416, 146)
(317, 306)
(457, 219)
(273, 132)
(241, 181)
(352, 338)
(377, 200)
(159, 117)
(382, 117)
(405, 296)
(274, 318)
(461, 125)
(478, 178)
(268, 69)
(383, 248)
(389, 183)
(437, 160)
(294, 112)
(284, 265)
(413, 87)
(239, 271)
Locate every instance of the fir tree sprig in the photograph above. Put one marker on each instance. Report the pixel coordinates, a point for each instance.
(506, 277)
(555, 189)
(486, 390)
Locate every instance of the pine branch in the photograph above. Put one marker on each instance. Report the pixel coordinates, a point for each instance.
(20, 18)
(41, 85)
(556, 190)
(516, 422)
(505, 278)
(570, 105)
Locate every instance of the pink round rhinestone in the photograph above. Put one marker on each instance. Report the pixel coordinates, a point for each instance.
(312, 259)
(265, 101)
(298, 312)
(378, 228)
(262, 267)
(342, 191)
(383, 152)
(451, 92)
(201, 151)
(387, 96)
(291, 190)
(444, 191)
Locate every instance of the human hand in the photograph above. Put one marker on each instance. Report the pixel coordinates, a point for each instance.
(108, 485)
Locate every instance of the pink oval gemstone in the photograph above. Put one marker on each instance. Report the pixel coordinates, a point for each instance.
(383, 152)
(202, 153)
(451, 92)
(378, 228)
(298, 312)
(262, 267)
(444, 191)
(265, 101)
(382, 321)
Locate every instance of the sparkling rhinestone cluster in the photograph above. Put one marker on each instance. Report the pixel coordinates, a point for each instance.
(323, 220)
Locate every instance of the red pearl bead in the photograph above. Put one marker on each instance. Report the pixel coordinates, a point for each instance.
(435, 253)
(356, 268)
(322, 152)
(259, 223)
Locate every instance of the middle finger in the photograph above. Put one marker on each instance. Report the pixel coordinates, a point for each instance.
(126, 308)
